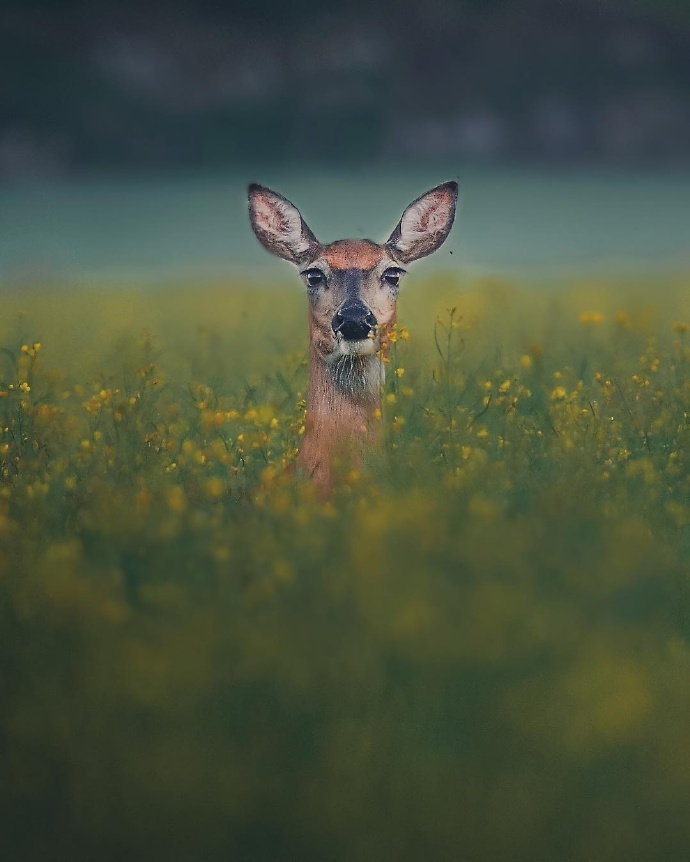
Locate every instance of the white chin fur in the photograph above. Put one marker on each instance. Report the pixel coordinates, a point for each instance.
(365, 347)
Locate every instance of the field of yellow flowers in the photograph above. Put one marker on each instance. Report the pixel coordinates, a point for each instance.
(478, 648)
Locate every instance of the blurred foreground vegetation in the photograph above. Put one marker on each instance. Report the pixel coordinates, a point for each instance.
(477, 649)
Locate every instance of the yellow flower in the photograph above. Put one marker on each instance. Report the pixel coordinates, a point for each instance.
(215, 487)
(559, 393)
(177, 501)
(591, 318)
(211, 419)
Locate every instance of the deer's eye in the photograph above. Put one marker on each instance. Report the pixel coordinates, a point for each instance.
(314, 278)
(392, 276)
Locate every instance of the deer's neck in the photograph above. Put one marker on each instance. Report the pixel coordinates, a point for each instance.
(340, 412)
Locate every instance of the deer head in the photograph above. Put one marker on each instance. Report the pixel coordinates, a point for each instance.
(352, 284)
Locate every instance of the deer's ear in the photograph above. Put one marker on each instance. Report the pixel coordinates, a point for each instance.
(278, 225)
(425, 224)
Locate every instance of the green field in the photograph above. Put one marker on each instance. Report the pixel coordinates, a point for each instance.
(477, 649)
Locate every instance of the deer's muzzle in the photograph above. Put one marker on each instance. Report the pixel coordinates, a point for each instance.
(354, 321)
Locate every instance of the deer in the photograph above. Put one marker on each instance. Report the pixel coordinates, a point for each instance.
(352, 287)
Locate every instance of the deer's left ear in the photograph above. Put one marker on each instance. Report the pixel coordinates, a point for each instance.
(425, 224)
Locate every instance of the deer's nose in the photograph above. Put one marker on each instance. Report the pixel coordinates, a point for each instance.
(354, 320)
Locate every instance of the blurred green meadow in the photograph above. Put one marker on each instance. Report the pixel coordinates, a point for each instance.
(477, 649)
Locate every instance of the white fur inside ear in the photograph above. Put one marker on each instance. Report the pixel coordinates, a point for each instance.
(424, 218)
(281, 221)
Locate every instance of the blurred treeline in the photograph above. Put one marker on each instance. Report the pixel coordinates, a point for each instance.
(182, 84)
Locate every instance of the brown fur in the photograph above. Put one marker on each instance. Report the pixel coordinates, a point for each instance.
(338, 428)
(353, 254)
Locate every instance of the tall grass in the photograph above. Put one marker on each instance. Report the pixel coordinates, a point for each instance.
(478, 648)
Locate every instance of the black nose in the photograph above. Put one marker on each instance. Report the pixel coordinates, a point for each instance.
(354, 321)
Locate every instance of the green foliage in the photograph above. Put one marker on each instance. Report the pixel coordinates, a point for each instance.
(478, 648)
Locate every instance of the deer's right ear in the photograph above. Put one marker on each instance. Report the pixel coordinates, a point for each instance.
(279, 227)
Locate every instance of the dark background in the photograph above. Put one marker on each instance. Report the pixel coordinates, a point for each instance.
(106, 86)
